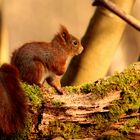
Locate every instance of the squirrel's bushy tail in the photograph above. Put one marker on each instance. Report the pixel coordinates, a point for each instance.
(12, 100)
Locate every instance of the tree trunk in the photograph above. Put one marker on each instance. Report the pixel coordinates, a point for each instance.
(100, 42)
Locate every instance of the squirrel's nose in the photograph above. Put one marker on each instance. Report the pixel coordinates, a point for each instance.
(81, 49)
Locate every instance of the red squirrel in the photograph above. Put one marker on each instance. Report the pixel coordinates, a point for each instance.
(40, 61)
(12, 100)
(33, 63)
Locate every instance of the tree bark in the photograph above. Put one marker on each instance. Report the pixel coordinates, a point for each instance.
(106, 108)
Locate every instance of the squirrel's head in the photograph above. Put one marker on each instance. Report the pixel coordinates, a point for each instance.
(70, 43)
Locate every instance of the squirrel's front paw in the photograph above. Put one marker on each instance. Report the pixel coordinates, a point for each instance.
(60, 91)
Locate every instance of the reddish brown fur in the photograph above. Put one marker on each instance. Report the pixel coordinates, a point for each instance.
(12, 100)
(36, 59)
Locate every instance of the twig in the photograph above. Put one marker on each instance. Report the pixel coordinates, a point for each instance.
(113, 8)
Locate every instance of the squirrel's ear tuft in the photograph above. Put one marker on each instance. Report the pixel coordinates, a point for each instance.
(64, 33)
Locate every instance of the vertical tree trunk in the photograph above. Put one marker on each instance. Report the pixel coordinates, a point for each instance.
(0, 29)
(4, 47)
(100, 42)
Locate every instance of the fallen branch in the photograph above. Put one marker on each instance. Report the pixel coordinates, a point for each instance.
(119, 12)
(111, 104)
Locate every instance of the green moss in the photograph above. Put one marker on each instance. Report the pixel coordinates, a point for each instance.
(111, 137)
(128, 83)
(86, 88)
(72, 89)
(35, 98)
(128, 126)
(119, 81)
(67, 130)
(33, 93)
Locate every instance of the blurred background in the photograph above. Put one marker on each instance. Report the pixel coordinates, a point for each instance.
(24, 21)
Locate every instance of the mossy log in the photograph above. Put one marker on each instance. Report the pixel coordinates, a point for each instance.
(109, 108)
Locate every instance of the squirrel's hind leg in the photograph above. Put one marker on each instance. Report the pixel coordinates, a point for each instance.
(35, 74)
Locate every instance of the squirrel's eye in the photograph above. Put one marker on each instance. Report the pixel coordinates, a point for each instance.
(75, 43)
